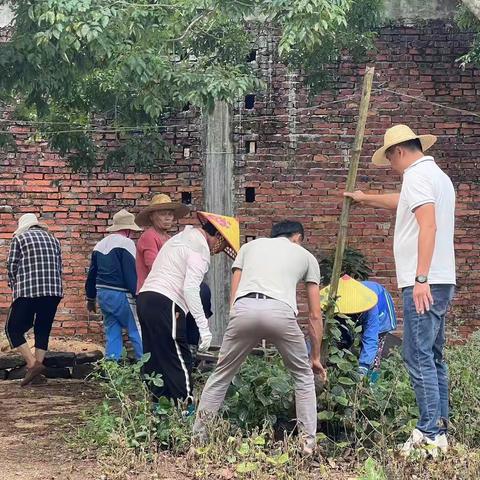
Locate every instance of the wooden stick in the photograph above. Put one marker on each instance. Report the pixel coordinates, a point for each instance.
(351, 179)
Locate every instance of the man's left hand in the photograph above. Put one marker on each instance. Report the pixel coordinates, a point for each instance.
(422, 297)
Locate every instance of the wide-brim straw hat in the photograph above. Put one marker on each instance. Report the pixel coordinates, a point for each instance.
(26, 221)
(228, 227)
(398, 134)
(123, 220)
(160, 202)
(352, 296)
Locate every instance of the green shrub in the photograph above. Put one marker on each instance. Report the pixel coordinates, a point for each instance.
(127, 419)
(464, 372)
(261, 393)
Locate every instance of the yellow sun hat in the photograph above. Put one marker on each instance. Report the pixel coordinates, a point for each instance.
(228, 227)
(353, 296)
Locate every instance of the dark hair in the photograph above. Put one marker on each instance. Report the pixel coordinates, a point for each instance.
(209, 228)
(413, 145)
(287, 228)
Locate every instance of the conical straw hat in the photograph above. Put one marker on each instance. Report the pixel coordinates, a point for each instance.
(228, 227)
(353, 297)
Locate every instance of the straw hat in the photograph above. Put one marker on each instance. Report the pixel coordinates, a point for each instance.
(160, 202)
(123, 220)
(228, 227)
(398, 134)
(353, 297)
(27, 221)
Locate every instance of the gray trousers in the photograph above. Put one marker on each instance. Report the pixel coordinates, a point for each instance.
(252, 320)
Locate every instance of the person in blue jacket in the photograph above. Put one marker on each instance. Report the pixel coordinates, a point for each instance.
(375, 322)
(371, 308)
(112, 280)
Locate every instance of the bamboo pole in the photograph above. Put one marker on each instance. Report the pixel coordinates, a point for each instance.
(351, 179)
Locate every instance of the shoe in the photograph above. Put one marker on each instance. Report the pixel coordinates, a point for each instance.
(437, 446)
(308, 446)
(33, 372)
(416, 439)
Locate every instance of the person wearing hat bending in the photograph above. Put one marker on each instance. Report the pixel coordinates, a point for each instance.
(171, 290)
(112, 279)
(158, 217)
(264, 306)
(425, 266)
(35, 276)
(370, 306)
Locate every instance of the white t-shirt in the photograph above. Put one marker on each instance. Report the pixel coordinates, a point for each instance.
(178, 271)
(425, 182)
(274, 267)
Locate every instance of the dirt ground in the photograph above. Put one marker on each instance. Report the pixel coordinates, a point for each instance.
(59, 344)
(35, 424)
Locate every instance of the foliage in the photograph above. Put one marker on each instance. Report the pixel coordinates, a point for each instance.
(355, 36)
(372, 471)
(126, 417)
(261, 393)
(354, 264)
(135, 62)
(463, 362)
(468, 22)
(7, 142)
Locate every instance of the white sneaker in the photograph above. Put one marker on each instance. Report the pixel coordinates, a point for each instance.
(440, 444)
(416, 439)
(431, 447)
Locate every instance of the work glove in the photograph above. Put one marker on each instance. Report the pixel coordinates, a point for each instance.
(205, 340)
(91, 306)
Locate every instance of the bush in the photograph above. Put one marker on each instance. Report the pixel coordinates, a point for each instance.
(128, 419)
(261, 393)
(464, 371)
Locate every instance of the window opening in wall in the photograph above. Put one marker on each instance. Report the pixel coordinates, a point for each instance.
(250, 194)
(249, 238)
(252, 56)
(250, 146)
(186, 107)
(187, 198)
(186, 152)
(249, 102)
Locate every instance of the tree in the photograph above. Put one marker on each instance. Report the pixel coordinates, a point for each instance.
(135, 62)
(468, 19)
(473, 6)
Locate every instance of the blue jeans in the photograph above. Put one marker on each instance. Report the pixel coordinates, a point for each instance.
(118, 312)
(423, 345)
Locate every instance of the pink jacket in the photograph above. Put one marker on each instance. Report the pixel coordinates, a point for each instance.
(148, 245)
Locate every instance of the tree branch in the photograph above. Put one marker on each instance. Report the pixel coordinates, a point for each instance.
(205, 14)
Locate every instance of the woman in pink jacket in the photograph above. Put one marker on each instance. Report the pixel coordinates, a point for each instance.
(159, 216)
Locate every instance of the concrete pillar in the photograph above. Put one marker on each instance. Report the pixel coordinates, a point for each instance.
(219, 198)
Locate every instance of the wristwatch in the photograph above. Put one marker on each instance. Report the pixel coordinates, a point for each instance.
(421, 279)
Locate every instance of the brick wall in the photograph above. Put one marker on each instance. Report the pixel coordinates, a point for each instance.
(298, 169)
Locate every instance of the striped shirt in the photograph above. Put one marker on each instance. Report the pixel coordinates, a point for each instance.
(35, 265)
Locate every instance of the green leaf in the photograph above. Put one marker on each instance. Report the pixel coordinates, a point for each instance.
(246, 467)
(325, 415)
(346, 381)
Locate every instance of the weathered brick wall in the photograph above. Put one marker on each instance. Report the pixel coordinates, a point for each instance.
(298, 170)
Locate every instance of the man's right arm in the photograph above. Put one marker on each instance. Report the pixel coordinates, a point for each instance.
(315, 327)
(12, 261)
(377, 200)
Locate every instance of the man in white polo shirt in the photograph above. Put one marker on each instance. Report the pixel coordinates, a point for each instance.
(425, 265)
(264, 306)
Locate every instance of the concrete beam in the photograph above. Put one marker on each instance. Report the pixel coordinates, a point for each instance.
(219, 198)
